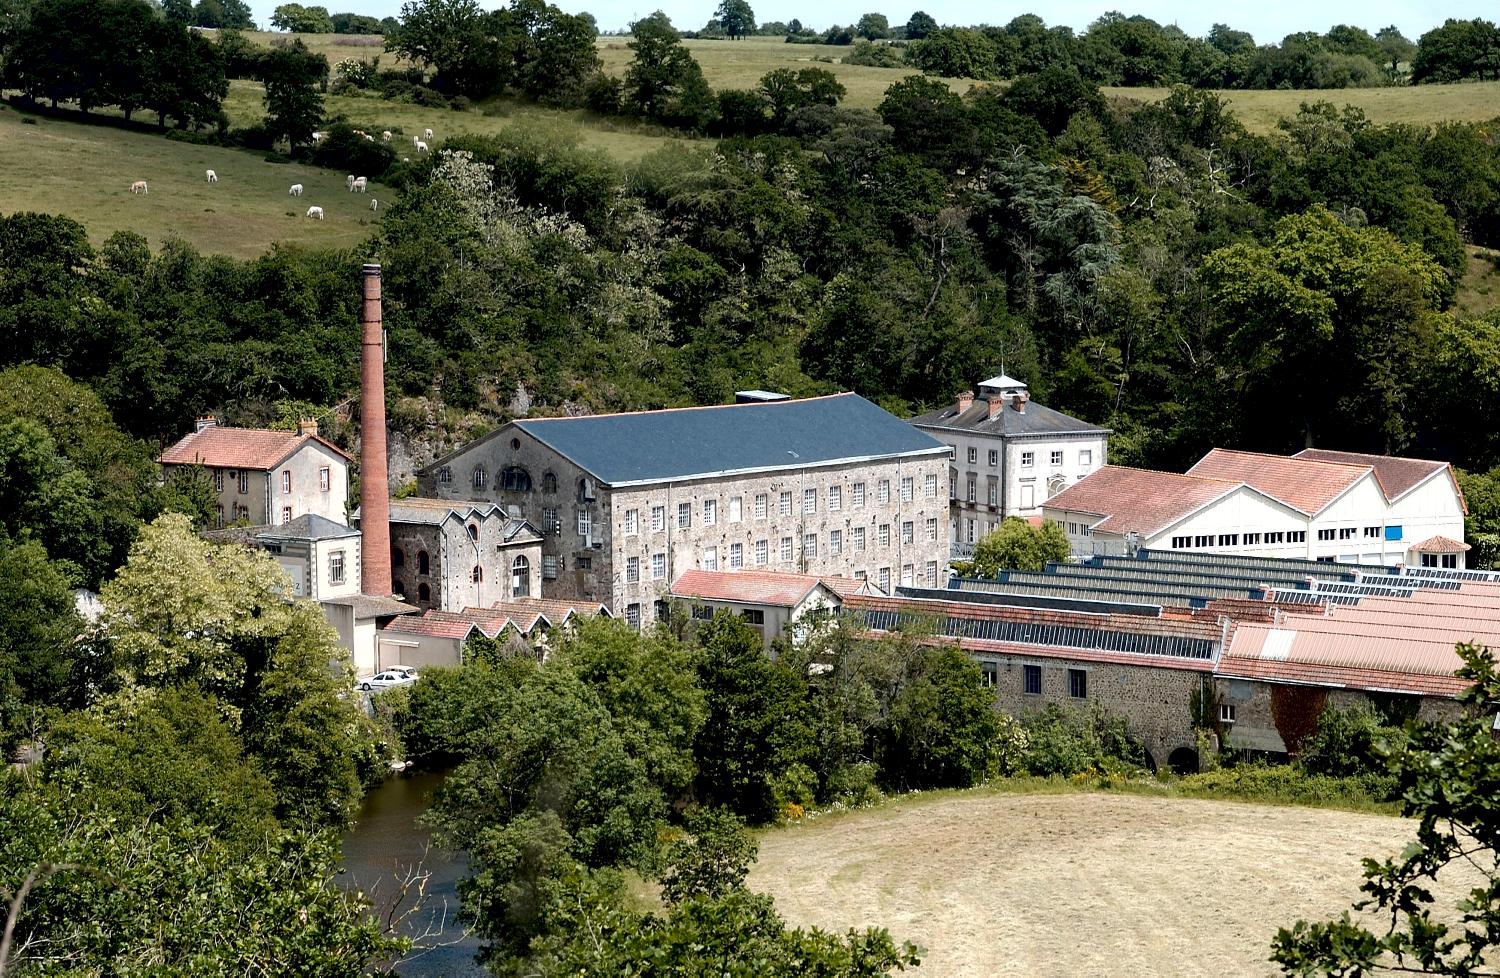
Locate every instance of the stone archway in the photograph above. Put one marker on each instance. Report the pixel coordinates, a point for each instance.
(1183, 760)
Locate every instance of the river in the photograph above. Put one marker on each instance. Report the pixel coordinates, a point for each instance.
(385, 843)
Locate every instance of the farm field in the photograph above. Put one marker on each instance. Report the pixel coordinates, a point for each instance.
(1074, 883)
(85, 171)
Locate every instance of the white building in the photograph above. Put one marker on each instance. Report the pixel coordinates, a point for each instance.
(1010, 455)
(1318, 504)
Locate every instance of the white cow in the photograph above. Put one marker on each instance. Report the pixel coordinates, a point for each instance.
(296, 190)
(315, 211)
(369, 138)
(139, 187)
(374, 204)
(427, 133)
(386, 135)
(212, 176)
(406, 159)
(318, 137)
(349, 181)
(358, 186)
(421, 146)
(415, 139)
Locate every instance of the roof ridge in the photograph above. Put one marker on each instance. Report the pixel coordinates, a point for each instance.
(690, 407)
(1285, 458)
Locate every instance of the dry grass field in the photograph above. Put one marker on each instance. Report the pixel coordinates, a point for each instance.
(1074, 883)
(85, 171)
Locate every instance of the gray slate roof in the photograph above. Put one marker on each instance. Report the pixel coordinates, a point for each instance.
(1037, 419)
(654, 446)
(308, 526)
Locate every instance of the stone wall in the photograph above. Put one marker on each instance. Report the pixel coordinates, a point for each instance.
(1256, 705)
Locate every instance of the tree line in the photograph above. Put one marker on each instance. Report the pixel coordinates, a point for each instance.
(302, 19)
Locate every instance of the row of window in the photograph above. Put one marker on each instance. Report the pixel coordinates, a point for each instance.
(1440, 560)
(1028, 459)
(1055, 485)
(1031, 679)
(735, 552)
(833, 499)
(761, 554)
(1199, 541)
(325, 480)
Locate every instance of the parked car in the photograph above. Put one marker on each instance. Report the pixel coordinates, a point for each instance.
(410, 672)
(385, 680)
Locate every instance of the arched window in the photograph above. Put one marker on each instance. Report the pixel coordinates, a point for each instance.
(1055, 485)
(478, 477)
(398, 588)
(513, 478)
(473, 531)
(478, 574)
(424, 593)
(445, 475)
(549, 482)
(422, 563)
(585, 491)
(398, 557)
(520, 578)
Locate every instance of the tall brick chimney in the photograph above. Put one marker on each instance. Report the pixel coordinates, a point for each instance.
(374, 483)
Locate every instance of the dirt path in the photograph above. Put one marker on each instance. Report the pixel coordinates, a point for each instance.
(1075, 884)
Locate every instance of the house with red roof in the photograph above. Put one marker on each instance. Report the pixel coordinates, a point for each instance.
(771, 602)
(263, 477)
(1318, 504)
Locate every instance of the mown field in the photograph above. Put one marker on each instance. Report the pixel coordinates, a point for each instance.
(85, 171)
(1074, 883)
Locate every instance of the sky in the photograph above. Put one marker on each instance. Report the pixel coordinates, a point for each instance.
(1268, 20)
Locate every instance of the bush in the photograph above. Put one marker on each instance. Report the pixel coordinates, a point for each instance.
(1288, 784)
(428, 98)
(1344, 744)
(602, 94)
(396, 89)
(873, 55)
(344, 150)
(1067, 742)
(460, 103)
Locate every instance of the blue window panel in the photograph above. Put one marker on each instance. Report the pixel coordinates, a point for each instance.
(1393, 533)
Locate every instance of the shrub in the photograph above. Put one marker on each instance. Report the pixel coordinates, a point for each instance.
(460, 103)
(344, 150)
(1344, 743)
(1288, 784)
(873, 55)
(428, 98)
(27, 120)
(1066, 741)
(396, 89)
(602, 94)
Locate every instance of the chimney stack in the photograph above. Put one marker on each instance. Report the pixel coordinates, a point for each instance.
(307, 426)
(1020, 402)
(204, 422)
(374, 482)
(965, 398)
(997, 404)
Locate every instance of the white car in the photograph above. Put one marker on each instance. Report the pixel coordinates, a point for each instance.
(410, 672)
(385, 680)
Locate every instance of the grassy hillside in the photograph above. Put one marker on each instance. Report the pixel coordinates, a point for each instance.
(85, 171)
(1074, 884)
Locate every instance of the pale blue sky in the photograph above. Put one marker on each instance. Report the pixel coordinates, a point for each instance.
(1268, 20)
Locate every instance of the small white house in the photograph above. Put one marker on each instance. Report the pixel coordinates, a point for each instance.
(1319, 504)
(770, 602)
(1010, 455)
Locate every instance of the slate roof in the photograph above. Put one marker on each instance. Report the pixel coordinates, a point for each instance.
(1037, 419)
(373, 605)
(1397, 476)
(747, 587)
(240, 448)
(308, 526)
(1305, 484)
(655, 446)
(435, 512)
(1143, 501)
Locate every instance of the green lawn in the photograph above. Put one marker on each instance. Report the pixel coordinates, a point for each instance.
(85, 172)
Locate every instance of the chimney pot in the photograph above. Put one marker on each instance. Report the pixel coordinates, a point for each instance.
(997, 404)
(204, 422)
(1020, 402)
(307, 426)
(965, 398)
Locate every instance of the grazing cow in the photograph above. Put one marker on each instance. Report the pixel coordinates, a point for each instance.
(349, 181)
(296, 190)
(369, 138)
(315, 211)
(359, 184)
(406, 159)
(414, 140)
(318, 137)
(421, 146)
(374, 204)
(139, 187)
(212, 176)
(386, 136)
(427, 133)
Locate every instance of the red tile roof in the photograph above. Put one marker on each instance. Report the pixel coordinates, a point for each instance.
(1441, 545)
(240, 448)
(746, 587)
(525, 613)
(435, 624)
(1304, 484)
(1143, 501)
(1397, 476)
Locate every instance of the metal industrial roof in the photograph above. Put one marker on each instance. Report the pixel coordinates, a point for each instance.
(686, 443)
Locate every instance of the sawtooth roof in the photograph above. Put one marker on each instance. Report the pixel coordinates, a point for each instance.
(1305, 484)
(683, 443)
(1143, 501)
(240, 448)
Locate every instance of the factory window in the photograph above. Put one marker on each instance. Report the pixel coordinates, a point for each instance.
(336, 567)
(684, 515)
(513, 478)
(477, 574)
(736, 556)
(286, 480)
(658, 566)
(1027, 459)
(858, 495)
(1078, 684)
(710, 512)
(760, 505)
(632, 522)
(473, 531)
(1181, 543)
(445, 475)
(633, 616)
(324, 479)
(286, 514)
(1226, 712)
(711, 559)
(478, 477)
(1032, 676)
(908, 485)
(632, 570)
(1056, 457)
(549, 567)
(520, 578)
(753, 616)
(929, 486)
(658, 518)
(549, 482)
(762, 553)
(932, 531)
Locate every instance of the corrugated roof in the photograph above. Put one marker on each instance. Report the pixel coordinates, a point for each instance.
(1397, 476)
(1037, 419)
(240, 448)
(655, 446)
(1304, 484)
(1166, 626)
(1142, 501)
(979, 646)
(746, 587)
(1296, 651)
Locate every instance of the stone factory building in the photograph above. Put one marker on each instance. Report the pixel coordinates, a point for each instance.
(1010, 455)
(262, 477)
(627, 503)
(449, 554)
